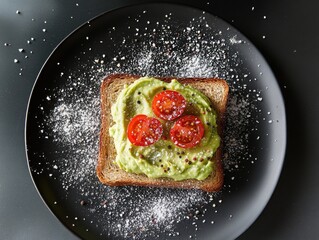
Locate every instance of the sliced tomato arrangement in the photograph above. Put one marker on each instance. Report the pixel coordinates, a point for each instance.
(143, 130)
(168, 105)
(187, 131)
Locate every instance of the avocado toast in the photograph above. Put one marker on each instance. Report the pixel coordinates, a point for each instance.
(111, 168)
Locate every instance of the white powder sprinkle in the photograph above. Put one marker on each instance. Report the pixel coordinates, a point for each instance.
(234, 40)
(74, 124)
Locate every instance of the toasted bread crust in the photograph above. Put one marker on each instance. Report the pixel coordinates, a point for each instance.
(110, 174)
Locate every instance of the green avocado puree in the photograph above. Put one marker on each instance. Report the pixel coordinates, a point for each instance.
(163, 158)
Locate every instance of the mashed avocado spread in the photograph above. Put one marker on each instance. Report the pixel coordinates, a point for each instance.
(163, 158)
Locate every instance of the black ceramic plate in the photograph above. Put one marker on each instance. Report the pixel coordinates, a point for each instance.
(62, 125)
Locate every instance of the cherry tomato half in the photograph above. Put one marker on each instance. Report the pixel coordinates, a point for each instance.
(143, 130)
(168, 105)
(187, 131)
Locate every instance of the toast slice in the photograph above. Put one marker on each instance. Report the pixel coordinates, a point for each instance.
(110, 174)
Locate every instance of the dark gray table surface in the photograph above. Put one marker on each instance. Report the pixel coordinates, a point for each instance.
(287, 34)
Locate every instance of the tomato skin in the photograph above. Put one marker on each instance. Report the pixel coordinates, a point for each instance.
(168, 105)
(143, 130)
(187, 131)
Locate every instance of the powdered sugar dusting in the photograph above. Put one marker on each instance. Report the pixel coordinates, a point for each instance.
(159, 213)
(195, 49)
